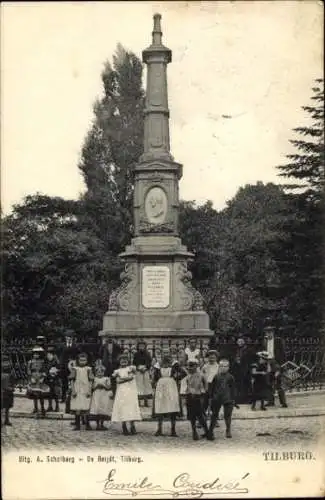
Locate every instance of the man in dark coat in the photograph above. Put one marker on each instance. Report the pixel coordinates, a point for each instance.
(69, 354)
(240, 369)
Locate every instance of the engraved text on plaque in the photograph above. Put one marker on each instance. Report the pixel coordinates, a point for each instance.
(155, 287)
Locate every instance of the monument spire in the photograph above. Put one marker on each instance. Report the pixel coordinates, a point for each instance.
(156, 299)
(156, 122)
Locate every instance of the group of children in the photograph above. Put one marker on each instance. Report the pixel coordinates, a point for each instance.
(92, 396)
(97, 395)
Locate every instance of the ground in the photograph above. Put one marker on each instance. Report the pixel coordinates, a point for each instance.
(299, 432)
(251, 430)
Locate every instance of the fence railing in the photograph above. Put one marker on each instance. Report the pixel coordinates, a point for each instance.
(302, 358)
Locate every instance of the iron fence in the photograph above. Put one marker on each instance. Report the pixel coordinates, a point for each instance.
(302, 358)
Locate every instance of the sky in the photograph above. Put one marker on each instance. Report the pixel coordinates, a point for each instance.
(253, 61)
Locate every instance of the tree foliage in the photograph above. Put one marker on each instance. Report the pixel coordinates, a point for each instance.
(307, 163)
(111, 150)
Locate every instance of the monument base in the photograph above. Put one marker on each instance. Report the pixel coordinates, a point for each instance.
(162, 331)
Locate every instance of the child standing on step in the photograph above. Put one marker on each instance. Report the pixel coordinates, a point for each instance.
(126, 405)
(166, 403)
(195, 391)
(101, 402)
(222, 393)
(82, 378)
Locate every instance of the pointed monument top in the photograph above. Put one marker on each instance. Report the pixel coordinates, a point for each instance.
(157, 33)
(157, 49)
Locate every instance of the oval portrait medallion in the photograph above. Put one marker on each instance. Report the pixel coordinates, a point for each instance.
(156, 205)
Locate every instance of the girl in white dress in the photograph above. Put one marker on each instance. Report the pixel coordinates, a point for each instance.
(82, 377)
(166, 403)
(126, 405)
(101, 399)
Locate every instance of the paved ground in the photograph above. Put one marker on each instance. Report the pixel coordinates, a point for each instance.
(303, 404)
(251, 430)
(298, 433)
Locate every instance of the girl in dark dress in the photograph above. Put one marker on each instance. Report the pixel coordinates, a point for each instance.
(142, 361)
(37, 389)
(259, 373)
(52, 368)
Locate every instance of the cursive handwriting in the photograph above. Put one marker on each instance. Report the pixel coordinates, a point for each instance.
(183, 485)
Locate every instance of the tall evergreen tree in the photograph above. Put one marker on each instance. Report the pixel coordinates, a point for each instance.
(307, 164)
(302, 254)
(111, 150)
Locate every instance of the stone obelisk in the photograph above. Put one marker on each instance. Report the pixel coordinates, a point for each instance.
(156, 300)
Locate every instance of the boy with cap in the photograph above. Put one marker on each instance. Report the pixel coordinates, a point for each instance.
(195, 390)
(222, 393)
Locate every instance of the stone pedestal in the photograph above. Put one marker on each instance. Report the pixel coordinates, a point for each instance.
(156, 300)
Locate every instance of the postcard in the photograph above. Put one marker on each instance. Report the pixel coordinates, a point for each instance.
(162, 316)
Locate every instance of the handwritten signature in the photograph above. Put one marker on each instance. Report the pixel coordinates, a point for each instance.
(182, 486)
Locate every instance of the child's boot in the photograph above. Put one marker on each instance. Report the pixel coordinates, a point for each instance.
(133, 430)
(87, 423)
(125, 429)
(159, 430)
(173, 428)
(263, 407)
(35, 410)
(77, 423)
(42, 409)
(6, 422)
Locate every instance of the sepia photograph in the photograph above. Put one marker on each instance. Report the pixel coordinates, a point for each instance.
(162, 252)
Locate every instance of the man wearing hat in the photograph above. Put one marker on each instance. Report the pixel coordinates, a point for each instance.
(69, 355)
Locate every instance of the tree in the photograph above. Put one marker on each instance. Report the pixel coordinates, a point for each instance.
(304, 251)
(111, 150)
(251, 228)
(45, 257)
(307, 164)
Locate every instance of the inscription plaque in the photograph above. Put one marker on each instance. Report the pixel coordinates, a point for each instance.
(155, 287)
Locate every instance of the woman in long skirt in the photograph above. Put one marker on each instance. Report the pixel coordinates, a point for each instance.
(126, 405)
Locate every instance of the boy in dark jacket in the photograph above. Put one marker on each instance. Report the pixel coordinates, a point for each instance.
(222, 393)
